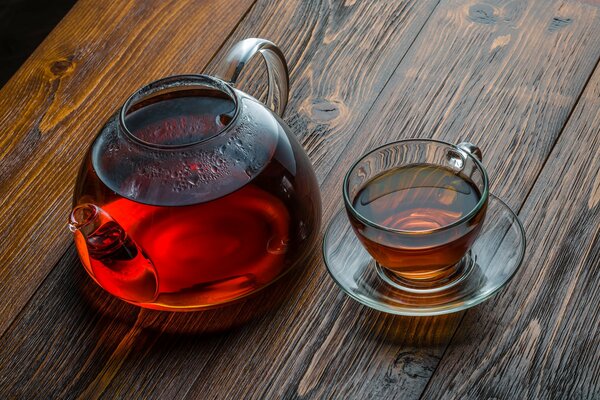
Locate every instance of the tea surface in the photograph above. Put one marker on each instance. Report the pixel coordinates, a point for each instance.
(417, 198)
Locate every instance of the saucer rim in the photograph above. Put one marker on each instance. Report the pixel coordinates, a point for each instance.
(429, 311)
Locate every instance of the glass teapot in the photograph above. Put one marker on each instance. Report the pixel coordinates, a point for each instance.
(195, 194)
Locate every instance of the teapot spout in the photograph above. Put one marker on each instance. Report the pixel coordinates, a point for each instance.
(111, 256)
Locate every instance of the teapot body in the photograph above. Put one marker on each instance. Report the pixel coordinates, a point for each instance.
(194, 195)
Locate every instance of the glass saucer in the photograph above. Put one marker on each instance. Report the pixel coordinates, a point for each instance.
(489, 265)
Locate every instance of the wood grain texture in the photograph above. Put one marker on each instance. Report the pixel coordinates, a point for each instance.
(505, 76)
(309, 33)
(456, 84)
(458, 81)
(541, 338)
(53, 107)
(501, 77)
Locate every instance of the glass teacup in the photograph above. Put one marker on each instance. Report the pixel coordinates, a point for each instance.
(417, 206)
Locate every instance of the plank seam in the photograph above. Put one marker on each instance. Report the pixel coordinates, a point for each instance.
(42, 282)
(218, 51)
(562, 129)
(331, 170)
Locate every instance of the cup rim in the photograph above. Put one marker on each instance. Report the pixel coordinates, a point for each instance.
(482, 201)
(176, 82)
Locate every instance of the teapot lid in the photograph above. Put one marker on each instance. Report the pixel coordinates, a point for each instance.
(185, 140)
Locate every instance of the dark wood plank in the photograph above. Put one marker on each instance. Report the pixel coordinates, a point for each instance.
(460, 75)
(459, 81)
(541, 338)
(504, 77)
(69, 313)
(341, 55)
(322, 100)
(53, 106)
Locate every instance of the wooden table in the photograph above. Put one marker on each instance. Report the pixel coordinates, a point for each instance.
(519, 78)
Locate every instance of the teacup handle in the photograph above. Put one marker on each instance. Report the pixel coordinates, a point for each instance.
(471, 149)
(241, 53)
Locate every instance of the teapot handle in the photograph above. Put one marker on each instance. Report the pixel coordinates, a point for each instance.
(241, 53)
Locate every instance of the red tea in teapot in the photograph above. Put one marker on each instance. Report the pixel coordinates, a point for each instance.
(198, 211)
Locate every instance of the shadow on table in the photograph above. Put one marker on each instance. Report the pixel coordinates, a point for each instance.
(229, 317)
(413, 331)
(84, 335)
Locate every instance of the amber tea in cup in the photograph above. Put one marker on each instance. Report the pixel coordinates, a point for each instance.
(417, 206)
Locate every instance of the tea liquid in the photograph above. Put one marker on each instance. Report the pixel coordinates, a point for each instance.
(417, 198)
(217, 250)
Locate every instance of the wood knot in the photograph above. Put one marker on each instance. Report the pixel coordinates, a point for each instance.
(558, 23)
(482, 14)
(62, 67)
(415, 363)
(500, 42)
(322, 110)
